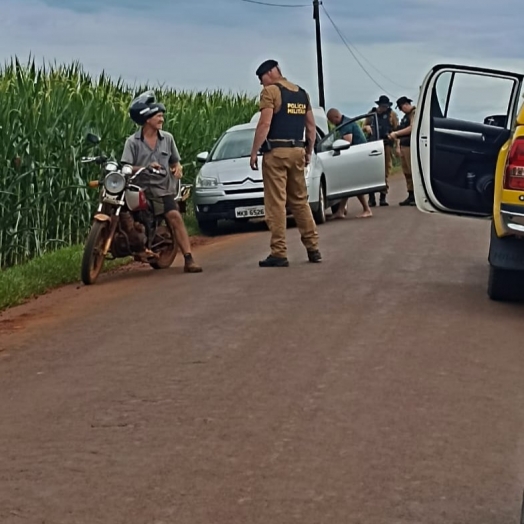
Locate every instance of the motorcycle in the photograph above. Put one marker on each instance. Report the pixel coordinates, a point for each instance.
(124, 224)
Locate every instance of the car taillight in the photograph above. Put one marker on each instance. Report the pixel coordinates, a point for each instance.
(514, 178)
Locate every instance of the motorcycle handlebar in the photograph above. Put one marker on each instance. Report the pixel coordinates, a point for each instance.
(150, 169)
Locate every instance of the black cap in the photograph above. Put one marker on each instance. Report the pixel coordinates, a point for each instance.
(403, 100)
(265, 67)
(383, 101)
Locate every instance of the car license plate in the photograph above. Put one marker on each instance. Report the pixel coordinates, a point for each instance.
(250, 212)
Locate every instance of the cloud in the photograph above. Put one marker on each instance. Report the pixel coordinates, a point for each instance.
(202, 44)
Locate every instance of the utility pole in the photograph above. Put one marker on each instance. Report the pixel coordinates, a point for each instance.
(316, 17)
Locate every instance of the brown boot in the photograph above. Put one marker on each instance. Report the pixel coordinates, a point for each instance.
(190, 265)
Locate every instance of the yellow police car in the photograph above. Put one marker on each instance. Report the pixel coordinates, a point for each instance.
(468, 159)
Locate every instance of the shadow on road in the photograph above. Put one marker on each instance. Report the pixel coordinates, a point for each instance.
(231, 227)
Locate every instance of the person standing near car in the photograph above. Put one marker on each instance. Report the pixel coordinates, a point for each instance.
(151, 147)
(387, 123)
(403, 134)
(285, 112)
(352, 133)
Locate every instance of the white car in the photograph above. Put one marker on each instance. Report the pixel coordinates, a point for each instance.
(227, 188)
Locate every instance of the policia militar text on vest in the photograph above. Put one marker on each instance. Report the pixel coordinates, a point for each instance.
(287, 126)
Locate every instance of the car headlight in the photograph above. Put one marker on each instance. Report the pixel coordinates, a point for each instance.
(114, 183)
(206, 182)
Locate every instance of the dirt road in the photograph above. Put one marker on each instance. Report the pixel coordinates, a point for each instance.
(381, 386)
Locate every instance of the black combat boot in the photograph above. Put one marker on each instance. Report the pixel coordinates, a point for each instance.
(314, 256)
(372, 200)
(410, 201)
(383, 201)
(272, 261)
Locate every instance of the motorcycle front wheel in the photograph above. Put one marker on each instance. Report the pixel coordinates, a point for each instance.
(93, 258)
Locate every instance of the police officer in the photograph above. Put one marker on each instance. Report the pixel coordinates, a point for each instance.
(285, 111)
(404, 151)
(387, 123)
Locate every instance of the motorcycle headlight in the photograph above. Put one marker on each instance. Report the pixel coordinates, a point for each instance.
(206, 182)
(114, 183)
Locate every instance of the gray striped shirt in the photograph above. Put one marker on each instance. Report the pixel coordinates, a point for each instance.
(138, 153)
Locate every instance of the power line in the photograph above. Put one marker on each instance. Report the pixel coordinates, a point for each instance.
(350, 47)
(270, 4)
(319, 51)
(375, 68)
(344, 41)
(380, 72)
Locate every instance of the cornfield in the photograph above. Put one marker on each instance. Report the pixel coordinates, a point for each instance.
(46, 112)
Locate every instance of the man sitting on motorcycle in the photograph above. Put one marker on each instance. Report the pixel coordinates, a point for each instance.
(153, 148)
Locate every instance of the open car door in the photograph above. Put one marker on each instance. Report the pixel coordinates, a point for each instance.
(464, 116)
(352, 169)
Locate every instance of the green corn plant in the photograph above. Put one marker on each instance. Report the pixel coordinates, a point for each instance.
(46, 112)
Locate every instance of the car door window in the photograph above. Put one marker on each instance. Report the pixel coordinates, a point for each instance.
(371, 134)
(471, 115)
(474, 98)
(326, 144)
(364, 122)
(318, 138)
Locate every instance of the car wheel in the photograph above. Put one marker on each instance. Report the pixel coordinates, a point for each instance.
(320, 214)
(208, 227)
(505, 285)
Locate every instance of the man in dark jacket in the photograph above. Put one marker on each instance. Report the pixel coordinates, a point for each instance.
(387, 123)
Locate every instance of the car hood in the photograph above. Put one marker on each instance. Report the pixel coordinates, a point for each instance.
(234, 170)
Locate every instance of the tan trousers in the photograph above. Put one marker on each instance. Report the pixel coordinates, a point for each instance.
(284, 181)
(405, 154)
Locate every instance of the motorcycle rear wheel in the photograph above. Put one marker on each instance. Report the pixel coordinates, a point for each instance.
(93, 257)
(167, 254)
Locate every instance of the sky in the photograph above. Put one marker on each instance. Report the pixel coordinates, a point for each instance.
(207, 44)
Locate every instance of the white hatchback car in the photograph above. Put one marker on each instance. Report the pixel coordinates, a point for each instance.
(227, 188)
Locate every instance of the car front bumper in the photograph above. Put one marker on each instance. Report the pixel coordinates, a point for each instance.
(220, 203)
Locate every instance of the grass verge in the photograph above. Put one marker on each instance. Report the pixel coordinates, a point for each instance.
(19, 283)
(191, 223)
(54, 269)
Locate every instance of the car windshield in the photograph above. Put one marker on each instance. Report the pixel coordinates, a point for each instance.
(234, 144)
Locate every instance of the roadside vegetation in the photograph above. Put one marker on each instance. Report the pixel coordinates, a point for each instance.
(51, 270)
(45, 205)
(44, 116)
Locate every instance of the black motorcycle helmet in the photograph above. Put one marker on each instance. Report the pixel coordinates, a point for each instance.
(143, 107)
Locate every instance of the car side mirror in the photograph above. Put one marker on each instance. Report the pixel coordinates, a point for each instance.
(93, 139)
(340, 145)
(202, 157)
(496, 120)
